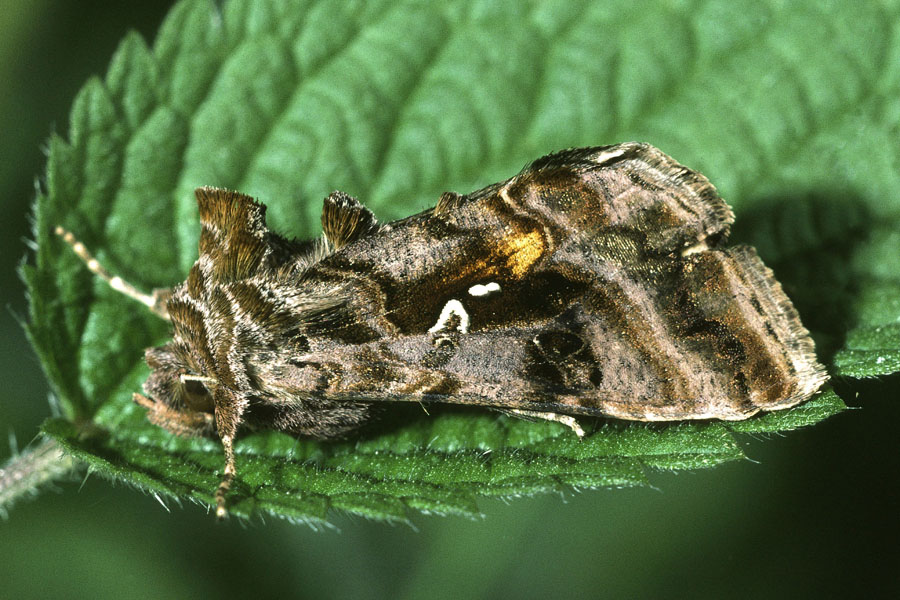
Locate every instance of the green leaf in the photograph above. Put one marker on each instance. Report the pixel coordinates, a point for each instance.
(396, 102)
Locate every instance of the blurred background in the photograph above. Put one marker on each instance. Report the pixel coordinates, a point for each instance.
(815, 514)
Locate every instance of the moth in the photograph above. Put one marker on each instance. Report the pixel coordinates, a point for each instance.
(596, 282)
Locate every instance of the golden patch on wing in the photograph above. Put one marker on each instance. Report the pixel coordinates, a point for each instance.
(521, 251)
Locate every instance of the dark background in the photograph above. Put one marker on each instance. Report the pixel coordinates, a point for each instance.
(814, 515)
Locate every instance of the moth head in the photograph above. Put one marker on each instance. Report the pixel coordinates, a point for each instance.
(177, 399)
(195, 393)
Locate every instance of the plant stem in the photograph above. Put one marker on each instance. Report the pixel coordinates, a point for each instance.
(27, 471)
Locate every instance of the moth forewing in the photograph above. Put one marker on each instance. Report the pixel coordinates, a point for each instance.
(594, 282)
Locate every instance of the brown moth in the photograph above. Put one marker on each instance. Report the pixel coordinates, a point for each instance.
(595, 282)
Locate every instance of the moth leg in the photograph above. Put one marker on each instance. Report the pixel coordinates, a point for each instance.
(228, 418)
(225, 484)
(567, 420)
(155, 301)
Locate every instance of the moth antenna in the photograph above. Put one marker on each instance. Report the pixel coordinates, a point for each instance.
(225, 485)
(156, 301)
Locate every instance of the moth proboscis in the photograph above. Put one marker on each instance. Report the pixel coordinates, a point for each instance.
(595, 282)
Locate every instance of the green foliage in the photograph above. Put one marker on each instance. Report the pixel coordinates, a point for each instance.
(436, 465)
(397, 102)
